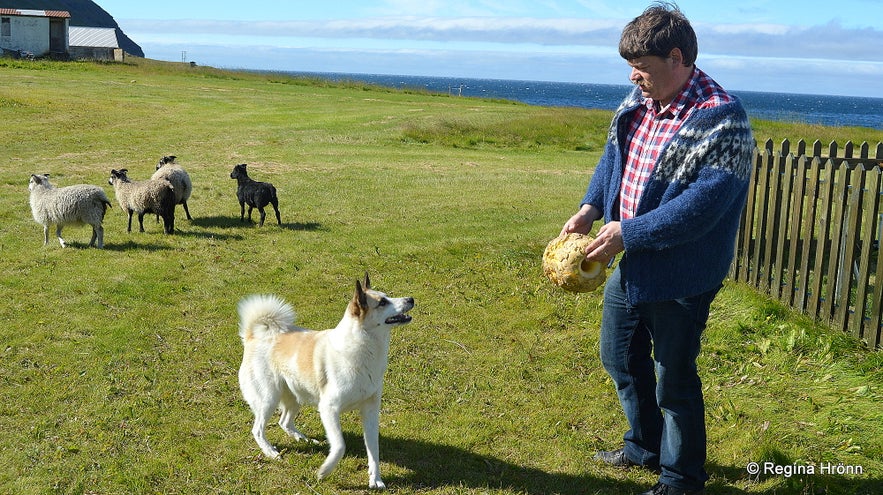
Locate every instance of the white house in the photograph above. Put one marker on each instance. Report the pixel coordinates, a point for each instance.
(91, 43)
(34, 32)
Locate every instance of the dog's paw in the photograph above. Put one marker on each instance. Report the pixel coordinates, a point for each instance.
(376, 484)
(271, 453)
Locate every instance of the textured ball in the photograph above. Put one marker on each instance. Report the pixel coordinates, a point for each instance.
(565, 264)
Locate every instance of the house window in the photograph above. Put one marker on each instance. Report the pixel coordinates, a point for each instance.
(5, 27)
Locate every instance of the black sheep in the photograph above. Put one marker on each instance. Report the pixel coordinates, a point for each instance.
(255, 194)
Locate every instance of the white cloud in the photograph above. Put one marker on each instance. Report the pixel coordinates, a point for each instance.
(482, 29)
(763, 56)
(831, 41)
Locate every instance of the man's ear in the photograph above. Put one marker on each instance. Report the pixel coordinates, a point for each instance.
(677, 56)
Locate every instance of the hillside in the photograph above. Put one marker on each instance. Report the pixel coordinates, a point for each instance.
(83, 13)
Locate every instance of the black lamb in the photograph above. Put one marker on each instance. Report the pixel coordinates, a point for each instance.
(255, 194)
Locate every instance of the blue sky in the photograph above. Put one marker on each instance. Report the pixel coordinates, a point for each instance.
(791, 46)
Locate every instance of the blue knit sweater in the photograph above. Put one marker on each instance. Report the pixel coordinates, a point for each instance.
(682, 238)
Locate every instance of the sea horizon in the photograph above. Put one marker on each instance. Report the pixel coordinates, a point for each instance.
(831, 110)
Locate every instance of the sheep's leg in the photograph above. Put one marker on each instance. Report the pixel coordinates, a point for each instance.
(263, 215)
(129, 229)
(186, 210)
(276, 208)
(250, 209)
(45, 235)
(58, 234)
(169, 222)
(141, 221)
(242, 211)
(97, 234)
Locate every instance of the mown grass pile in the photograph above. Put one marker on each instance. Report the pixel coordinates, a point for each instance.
(118, 366)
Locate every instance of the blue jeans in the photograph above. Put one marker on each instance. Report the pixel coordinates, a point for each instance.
(650, 352)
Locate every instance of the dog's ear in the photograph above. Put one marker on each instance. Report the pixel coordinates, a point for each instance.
(359, 304)
(367, 281)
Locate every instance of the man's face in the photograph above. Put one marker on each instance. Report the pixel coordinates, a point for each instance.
(659, 78)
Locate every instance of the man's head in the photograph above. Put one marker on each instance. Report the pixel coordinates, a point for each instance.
(660, 46)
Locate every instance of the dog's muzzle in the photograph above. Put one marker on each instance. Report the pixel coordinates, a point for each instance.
(403, 317)
(399, 319)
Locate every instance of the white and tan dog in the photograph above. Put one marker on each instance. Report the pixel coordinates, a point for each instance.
(337, 370)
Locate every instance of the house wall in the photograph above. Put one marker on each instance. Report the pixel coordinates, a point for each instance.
(96, 53)
(29, 34)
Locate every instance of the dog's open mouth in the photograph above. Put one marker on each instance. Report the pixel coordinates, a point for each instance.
(399, 319)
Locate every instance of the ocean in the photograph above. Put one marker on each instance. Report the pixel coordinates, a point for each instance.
(811, 109)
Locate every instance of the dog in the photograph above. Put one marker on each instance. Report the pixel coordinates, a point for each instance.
(336, 370)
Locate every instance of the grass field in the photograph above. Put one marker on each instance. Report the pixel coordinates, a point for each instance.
(118, 366)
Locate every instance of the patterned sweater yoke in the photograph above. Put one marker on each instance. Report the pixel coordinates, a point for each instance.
(681, 240)
(717, 137)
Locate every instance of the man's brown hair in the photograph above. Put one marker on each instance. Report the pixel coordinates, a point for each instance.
(657, 31)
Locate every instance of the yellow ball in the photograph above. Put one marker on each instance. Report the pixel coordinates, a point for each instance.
(565, 264)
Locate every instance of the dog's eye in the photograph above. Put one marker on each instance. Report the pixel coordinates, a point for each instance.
(383, 302)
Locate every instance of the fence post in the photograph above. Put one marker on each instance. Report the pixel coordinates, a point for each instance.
(811, 231)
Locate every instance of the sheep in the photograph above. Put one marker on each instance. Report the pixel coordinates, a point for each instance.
(256, 194)
(146, 196)
(72, 205)
(169, 170)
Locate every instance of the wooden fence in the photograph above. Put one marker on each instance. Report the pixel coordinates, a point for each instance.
(811, 233)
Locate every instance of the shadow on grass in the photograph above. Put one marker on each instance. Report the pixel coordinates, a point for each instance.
(123, 246)
(435, 466)
(230, 222)
(216, 222)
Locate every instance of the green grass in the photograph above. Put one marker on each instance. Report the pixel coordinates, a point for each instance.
(118, 366)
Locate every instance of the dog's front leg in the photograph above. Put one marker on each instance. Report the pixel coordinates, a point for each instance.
(371, 429)
(330, 415)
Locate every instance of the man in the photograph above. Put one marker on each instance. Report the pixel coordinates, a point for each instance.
(671, 185)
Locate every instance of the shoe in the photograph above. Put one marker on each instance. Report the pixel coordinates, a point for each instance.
(663, 489)
(618, 458)
(614, 458)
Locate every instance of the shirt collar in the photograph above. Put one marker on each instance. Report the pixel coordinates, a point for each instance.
(680, 101)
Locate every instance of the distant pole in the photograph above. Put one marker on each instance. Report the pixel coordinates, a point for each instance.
(183, 56)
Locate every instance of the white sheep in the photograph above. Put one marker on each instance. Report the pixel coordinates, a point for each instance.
(146, 196)
(169, 170)
(72, 205)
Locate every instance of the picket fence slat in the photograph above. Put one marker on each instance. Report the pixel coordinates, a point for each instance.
(811, 231)
(871, 206)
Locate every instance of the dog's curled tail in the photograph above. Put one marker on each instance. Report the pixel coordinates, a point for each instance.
(263, 315)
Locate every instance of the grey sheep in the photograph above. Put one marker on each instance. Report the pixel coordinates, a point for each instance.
(169, 170)
(255, 194)
(146, 196)
(72, 205)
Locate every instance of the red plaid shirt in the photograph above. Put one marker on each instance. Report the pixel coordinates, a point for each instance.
(651, 129)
